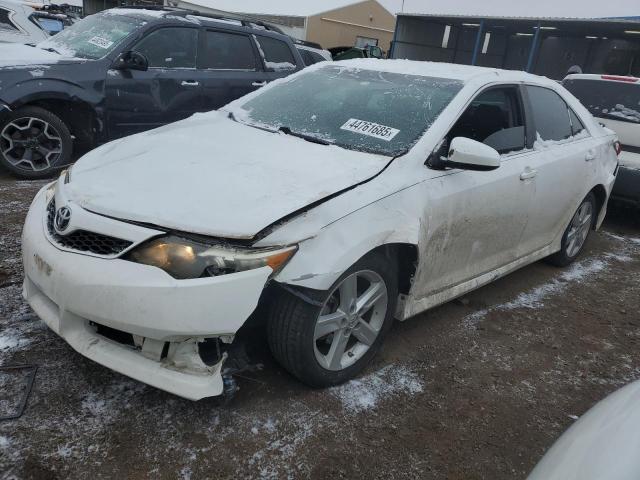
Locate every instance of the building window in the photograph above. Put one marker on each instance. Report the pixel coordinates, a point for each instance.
(364, 42)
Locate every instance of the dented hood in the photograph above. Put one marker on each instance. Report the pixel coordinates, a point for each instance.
(213, 176)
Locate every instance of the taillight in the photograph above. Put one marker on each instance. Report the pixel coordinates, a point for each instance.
(617, 147)
(619, 78)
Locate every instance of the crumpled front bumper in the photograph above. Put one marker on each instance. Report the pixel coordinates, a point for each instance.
(72, 293)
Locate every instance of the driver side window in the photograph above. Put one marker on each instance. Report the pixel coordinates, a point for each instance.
(172, 47)
(495, 118)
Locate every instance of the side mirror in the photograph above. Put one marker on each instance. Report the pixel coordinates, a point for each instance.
(466, 154)
(131, 61)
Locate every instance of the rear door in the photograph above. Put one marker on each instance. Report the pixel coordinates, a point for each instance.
(278, 57)
(564, 164)
(231, 64)
(170, 90)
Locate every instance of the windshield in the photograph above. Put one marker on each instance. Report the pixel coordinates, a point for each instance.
(365, 110)
(93, 37)
(616, 100)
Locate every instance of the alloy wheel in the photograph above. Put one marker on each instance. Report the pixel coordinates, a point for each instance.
(30, 143)
(350, 320)
(579, 229)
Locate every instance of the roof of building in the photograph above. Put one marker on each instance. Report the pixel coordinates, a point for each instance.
(509, 8)
(288, 8)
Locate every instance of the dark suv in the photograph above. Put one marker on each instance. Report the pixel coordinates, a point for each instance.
(123, 71)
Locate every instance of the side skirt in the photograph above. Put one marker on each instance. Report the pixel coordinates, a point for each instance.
(414, 306)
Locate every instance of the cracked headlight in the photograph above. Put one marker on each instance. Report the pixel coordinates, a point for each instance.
(182, 258)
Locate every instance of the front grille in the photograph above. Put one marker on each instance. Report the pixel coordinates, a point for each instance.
(84, 241)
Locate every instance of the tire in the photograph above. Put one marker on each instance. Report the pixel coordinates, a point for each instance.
(34, 143)
(291, 325)
(581, 224)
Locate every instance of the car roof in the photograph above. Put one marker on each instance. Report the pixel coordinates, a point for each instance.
(453, 71)
(603, 78)
(194, 17)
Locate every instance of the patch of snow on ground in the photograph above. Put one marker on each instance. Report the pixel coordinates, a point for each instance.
(578, 272)
(366, 392)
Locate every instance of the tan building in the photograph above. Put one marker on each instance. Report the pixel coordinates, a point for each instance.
(331, 23)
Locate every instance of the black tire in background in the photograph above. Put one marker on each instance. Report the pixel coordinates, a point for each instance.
(34, 143)
(576, 234)
(292, 321)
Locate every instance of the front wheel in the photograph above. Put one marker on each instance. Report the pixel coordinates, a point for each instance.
(331, 342)
(576, 234)
(33, 142)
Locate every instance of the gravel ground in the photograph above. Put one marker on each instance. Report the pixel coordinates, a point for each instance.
(476, 389)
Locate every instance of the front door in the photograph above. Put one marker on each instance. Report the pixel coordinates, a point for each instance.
(475, 220)
(170, 90)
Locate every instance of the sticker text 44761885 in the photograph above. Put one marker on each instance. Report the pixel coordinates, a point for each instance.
(370, 129)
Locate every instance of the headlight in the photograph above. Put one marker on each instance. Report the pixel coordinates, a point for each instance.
(182, 258)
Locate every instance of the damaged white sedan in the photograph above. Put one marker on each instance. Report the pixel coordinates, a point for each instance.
(326, 204)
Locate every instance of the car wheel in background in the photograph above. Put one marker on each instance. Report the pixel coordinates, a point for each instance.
(33, 143)
(332, 341)
(576, 234)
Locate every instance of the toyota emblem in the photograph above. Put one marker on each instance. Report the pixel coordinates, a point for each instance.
(63, 217)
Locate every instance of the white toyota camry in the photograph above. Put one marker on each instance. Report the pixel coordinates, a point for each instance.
(330, 202)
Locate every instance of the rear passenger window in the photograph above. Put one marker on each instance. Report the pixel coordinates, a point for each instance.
(550, 114)
(170, 47)
(228, 51)
(277, 55)
(576, 125)
(494, 118)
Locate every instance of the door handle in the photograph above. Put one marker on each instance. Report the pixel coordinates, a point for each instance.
(259, 84)
(189, 83)
(528, 173)
(591, 155)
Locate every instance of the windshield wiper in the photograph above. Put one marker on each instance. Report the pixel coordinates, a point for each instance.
(308, 138)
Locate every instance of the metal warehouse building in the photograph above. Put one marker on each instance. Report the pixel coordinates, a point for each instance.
(545, 46)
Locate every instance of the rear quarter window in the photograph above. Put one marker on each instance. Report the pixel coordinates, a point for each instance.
(5, 22)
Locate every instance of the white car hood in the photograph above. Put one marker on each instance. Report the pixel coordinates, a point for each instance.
(18, 55)
(213, 176)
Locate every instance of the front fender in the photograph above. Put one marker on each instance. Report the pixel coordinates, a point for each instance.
(321, 260)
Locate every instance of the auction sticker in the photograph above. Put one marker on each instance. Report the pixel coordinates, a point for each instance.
(370, 129)
(100, 42)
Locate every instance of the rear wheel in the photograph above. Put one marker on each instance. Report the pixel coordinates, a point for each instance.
(33, 143)
(576, 234)
(332, 341)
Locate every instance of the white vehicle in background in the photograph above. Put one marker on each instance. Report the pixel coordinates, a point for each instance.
(603, 444)
(312, 53)
(16, 24)
(615, 102)
(22, 23)
(327, 203)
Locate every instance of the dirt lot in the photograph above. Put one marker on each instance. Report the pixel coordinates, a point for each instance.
(478, 388)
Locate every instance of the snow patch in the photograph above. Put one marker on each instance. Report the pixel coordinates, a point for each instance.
(578, 272)
(365, 393)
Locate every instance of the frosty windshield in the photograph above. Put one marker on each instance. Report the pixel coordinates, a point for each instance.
(93, 37)
(365, 110)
